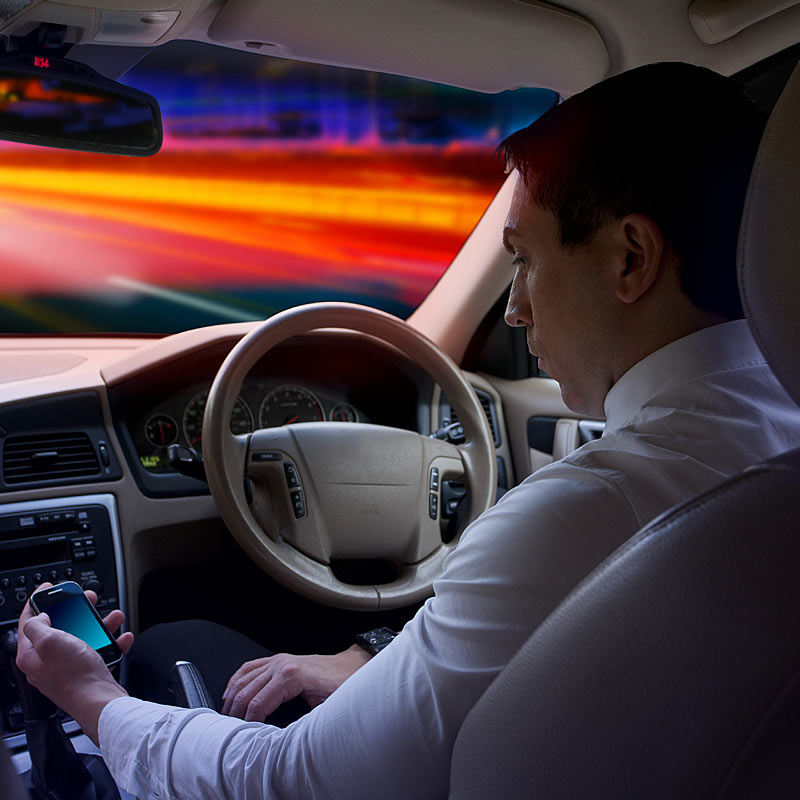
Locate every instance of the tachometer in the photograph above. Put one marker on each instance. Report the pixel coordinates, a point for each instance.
(286, 405)
(241, 419)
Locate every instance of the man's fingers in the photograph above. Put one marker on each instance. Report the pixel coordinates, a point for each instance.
(92, 596)
(27, 613)
(114, 620)
(241, 690)
(264, 702)
(36, 628)
(238, 676)
(241, 701)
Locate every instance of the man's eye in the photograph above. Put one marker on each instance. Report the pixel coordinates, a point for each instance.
(517, 261)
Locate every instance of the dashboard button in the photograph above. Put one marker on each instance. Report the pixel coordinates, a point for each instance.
(5, 583)
(433, 483)
(53, 574)
(22, 596)
(21, 580)
(69, 572)
(298, 504)
(291, 476)
(433, 505)
(270, 456)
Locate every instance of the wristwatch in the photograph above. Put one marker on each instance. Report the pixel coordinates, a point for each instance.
(375, 640)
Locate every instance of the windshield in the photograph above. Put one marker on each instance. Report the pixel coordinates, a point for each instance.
(278, 183)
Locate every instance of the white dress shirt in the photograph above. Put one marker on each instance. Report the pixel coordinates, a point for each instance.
(678, 422)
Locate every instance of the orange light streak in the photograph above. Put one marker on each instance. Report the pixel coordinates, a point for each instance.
(429, 209)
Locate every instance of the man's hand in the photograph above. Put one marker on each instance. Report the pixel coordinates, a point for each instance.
(258, 687)
(66, 669)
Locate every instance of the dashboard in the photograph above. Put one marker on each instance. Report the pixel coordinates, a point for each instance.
(322, 376)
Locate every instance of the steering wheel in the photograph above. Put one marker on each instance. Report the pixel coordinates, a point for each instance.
(343, 490)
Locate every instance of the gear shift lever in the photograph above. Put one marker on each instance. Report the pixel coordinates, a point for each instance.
(57, 771)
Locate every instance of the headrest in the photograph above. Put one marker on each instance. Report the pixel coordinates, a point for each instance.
(769, 241)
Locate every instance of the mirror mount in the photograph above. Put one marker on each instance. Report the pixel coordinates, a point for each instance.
(46, 39)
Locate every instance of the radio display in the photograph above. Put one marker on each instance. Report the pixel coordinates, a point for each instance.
(34, 555)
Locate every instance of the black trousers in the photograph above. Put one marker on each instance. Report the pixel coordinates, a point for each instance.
(217, 651)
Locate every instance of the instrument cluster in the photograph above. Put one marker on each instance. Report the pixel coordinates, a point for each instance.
(180, 418)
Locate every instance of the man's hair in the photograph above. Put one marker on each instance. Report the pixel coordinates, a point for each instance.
(673, 141)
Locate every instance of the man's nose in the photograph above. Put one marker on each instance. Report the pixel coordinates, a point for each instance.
(515, 316)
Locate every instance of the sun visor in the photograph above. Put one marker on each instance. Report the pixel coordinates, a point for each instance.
(485, 45)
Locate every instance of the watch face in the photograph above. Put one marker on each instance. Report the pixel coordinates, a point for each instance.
(375, 640)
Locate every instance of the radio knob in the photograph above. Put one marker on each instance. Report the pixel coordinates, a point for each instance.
(53, 574)
(94, 585)
(37, 578)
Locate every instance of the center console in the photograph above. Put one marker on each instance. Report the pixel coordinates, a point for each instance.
(65, 538)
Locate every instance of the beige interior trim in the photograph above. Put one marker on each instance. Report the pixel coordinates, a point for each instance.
(566, 438)
(715, 21)
(481, 44)
(476, 278)
(31, 367)
(523, 399)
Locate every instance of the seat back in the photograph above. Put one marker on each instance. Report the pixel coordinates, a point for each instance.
(674, 669)
(668, 672)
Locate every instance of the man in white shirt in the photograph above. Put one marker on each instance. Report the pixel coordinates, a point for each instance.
(623, 230)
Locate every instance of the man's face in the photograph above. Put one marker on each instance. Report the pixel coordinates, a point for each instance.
(560, 297)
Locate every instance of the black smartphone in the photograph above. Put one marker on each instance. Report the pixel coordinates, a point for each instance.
(70, 611)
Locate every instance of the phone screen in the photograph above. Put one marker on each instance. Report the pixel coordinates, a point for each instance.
(70, 611)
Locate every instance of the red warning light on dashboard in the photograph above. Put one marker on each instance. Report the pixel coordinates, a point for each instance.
(41, 61)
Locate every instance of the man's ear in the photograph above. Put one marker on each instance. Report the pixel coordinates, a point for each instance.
(640, 248)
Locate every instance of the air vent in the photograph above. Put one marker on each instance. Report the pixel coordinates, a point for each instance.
(48, 456)
(488, 410)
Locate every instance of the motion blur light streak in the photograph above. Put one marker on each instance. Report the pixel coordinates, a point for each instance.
(428, 209)
(222, 310)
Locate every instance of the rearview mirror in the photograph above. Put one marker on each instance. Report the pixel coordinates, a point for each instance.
(54, 102)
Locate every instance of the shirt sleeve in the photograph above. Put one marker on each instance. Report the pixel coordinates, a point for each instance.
(389, 730)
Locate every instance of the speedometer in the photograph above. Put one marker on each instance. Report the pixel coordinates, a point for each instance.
(241, 419)
(287, 405)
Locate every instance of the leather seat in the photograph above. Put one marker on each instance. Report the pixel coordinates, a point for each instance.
(673, 671)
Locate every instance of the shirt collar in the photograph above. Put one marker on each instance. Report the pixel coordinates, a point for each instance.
(729, 345)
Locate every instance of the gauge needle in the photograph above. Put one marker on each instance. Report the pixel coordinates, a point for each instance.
(293, 419)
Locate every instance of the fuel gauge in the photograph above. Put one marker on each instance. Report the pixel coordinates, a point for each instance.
(344, 412)
(161, 430)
